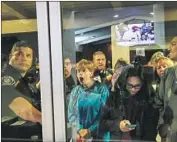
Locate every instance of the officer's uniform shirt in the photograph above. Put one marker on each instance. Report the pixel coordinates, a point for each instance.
(9, 79)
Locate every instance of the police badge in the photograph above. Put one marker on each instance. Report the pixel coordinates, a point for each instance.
(7, 80)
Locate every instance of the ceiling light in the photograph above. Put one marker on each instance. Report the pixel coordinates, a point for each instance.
(115, 16)
(152, 13)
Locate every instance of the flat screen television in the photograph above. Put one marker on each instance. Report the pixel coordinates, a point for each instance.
(134, 34)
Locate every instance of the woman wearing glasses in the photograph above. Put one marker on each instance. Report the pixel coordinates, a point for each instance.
(134, 117)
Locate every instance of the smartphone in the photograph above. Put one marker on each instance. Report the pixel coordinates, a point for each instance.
(130, 126)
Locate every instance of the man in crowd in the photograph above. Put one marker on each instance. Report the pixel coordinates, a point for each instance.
(102, 74)
(69, 81)
(173, 49)
(167, 99)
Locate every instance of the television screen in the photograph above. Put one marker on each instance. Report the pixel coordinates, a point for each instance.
(134, 34)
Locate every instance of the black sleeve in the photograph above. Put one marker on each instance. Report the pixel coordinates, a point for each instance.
(151, 116)
(111, 115)
(159, 99)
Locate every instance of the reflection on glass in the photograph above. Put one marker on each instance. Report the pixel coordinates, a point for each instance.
(20, 83)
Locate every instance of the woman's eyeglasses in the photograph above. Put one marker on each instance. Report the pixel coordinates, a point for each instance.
(130, 86)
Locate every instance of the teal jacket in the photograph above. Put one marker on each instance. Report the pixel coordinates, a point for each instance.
(85, 108)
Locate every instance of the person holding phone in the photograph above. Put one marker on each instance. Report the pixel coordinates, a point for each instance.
(133, 117)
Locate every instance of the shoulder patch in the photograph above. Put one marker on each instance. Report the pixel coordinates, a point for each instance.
(7, 80)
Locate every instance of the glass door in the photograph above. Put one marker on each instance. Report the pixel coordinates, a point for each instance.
(27, 113)
(91, 43)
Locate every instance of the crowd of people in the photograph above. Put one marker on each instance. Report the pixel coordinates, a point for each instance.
(131, 107)
(120, 103)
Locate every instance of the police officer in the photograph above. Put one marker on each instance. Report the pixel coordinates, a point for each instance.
(13, 76)
(15, 90)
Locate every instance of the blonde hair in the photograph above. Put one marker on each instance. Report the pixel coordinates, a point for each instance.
(85, 64)
(165, 60)
(156, 56)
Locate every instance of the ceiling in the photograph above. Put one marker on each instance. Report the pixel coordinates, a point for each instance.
(93, 25)
(91, 21)
(18, 10)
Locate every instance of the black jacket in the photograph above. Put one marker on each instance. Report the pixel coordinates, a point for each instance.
(167, 98)
(136, 109)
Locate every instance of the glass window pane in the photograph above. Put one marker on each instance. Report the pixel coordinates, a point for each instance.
(20, 80)
(119, 69)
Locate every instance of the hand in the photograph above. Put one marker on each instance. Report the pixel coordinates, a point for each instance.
(163, 130)
(78, 138)
(115, 77)
(123, 126)
(24, 109)
(97, 78)
(109, 77)
(84, 133)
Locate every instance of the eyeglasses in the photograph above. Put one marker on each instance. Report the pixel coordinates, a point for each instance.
(130, 86)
